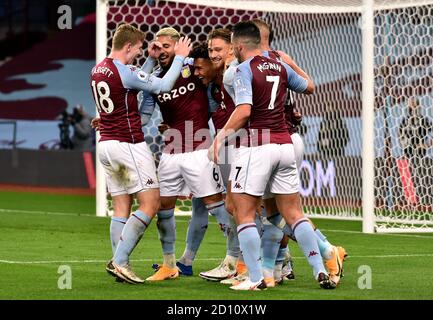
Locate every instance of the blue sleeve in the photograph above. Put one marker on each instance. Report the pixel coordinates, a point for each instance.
(147, 106)
(172, 74)
(213, 105)
(295, 81)
(134, 78)
(242, 84)
(148, 65)
(228, 80)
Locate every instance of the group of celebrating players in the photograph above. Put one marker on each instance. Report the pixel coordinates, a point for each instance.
(243, 170)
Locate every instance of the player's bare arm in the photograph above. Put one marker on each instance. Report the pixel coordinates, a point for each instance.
(154, 51)
(236, 121)
(287, 59)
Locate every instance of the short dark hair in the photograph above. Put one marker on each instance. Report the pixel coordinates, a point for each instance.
(200, 51)
(248, 31)
(221, 33)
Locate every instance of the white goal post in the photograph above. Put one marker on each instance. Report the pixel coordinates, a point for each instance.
(372, 62)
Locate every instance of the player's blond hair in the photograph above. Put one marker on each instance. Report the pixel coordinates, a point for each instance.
(127, 33)
(169, 32)
(264, 27)
(260, 23)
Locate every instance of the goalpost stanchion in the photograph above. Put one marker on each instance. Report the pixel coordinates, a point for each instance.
(101, 52)
(368, 117)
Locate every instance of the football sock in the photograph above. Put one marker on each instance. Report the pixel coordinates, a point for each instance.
(116, 227)
(279, 261)
(233, 248)
(281, 256)
(218, 210)
(278, 271)
(196, 230)
(167, 231)
(249, 241)
(306, 238)
(278, 221)
(270, 245)
(324, 246)
(188, 257)
(131, 234)
(320, 235)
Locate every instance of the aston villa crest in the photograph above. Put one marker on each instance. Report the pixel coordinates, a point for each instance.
(185, 72)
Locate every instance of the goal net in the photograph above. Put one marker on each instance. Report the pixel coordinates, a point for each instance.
(368, 129)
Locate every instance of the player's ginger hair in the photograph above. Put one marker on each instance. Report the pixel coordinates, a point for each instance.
(169, 32)
(127, 33)
(221, 33)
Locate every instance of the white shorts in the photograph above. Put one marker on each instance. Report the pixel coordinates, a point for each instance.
(129, 168)
(189, 172)
(225, 161)
(271, 165)
(298, 144)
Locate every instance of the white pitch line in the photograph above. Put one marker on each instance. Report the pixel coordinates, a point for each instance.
(380, 234)
(89, 261)
(210, 222)
(49, 213)
(212, 259)
(395, 256)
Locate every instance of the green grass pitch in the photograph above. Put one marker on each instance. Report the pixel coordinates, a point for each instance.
(40, 232)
